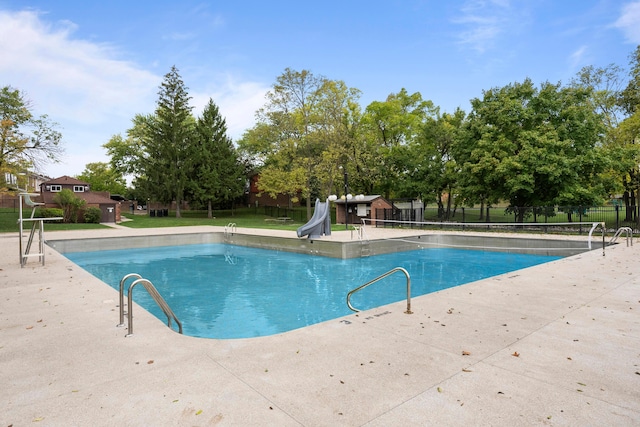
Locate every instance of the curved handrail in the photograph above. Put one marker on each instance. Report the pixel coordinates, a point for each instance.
(230, 228)
(388, 273)
(593, 227)
(628, 234)
(124, 279)
(157, 298)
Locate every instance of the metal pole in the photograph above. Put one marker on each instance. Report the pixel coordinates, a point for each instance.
(346, 200)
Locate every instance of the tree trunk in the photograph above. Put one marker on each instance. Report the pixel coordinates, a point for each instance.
(209, 210)
(448, 213)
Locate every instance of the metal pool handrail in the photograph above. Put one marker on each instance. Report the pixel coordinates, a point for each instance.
(154, 294)
(230, 228)
(124, 279)
(388, 273)
(628, 231)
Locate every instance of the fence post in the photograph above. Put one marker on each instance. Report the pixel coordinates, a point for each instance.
(580, 217)
(617, 216)
(463, 218)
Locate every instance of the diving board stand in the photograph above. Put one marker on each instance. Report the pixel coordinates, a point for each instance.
(36, 224)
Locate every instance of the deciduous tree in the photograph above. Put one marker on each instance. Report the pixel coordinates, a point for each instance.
(535, 147)
(101, 177)
(26, 141)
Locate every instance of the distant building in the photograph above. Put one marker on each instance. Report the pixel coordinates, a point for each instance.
(27, 181)
(361, 207)
(100, 199)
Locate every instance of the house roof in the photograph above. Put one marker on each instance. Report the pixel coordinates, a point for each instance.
(90, 197)
(65, 180)
(365, 199)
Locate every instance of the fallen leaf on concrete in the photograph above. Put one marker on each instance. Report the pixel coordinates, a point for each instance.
(439, 390)
(516, 354)
(466, 370)
(199, 412)
(465, 353)
(29, 327)
(149, 362)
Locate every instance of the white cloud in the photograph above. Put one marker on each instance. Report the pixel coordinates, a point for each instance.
(577, 57)
(484, 21)
(237, 101)
(90, 91)
(69, 78)
(629, 22)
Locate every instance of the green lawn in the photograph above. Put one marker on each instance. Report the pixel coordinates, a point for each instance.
(241, 217)
(9, 223)
(252, 218)
(247, 218)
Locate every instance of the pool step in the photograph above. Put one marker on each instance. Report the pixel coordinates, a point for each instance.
(365, 249)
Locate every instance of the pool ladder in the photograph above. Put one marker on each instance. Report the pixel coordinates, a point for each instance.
(365, 248)
(229, 230)
(154, 294)
(628, 233)
(371, 282)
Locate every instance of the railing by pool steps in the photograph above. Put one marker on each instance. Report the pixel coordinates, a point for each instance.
(628, 233)
(388, 273)
(154, 294)
(230, 229)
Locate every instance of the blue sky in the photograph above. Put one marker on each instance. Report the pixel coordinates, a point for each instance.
(91, 66)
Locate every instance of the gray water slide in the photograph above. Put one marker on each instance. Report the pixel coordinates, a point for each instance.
(320, 222)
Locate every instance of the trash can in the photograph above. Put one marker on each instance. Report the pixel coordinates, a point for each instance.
(159, 213)
(165, 212)
(152, 212)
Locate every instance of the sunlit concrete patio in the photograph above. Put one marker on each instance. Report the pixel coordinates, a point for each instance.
(556, 344)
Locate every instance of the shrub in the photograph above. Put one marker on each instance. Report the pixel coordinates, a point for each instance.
(49, 213)
(70, 203)
(92, 215)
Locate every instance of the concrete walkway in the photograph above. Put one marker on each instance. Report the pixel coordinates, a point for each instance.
(557, 344)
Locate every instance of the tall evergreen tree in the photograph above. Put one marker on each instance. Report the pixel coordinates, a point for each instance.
(168, 142)
(217, 172)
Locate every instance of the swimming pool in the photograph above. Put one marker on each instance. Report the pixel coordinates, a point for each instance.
(224, 291)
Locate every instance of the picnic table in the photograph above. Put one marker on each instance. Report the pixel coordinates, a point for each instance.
(282, 219)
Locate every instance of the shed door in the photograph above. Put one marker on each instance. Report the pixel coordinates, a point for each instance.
(108, 213)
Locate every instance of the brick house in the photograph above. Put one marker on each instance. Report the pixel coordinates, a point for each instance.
(100, 199)
(361, 207)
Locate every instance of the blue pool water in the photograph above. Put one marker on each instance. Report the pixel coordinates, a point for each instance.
(225, 291)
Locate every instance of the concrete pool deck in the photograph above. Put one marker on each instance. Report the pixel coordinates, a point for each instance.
(555, 344)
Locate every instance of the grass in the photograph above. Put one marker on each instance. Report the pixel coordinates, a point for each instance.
(253, 218)
(241, 217)
(246, 218)
(9, 223)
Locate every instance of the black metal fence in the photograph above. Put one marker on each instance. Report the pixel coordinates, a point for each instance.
(614, 217)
